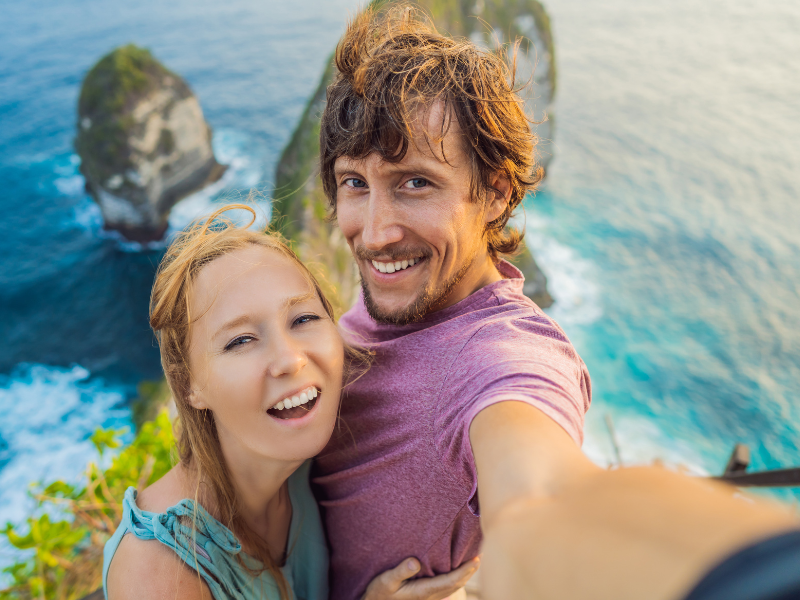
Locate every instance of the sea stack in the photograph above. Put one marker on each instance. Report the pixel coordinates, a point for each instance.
(143, 141)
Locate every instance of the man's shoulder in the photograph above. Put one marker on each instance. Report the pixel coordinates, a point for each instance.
(515, 318)
(515, 337)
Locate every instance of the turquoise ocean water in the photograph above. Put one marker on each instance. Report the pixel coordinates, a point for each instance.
(669, 223)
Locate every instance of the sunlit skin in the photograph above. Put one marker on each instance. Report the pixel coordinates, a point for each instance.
(420, 207)
(263, 335)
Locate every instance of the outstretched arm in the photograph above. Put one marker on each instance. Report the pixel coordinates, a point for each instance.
(556, 526)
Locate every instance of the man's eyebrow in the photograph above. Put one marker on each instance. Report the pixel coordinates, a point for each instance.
(347, 165)
(401, 167)
(246, 318)
(417, 168)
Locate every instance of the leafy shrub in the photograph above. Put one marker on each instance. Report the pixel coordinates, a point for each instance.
(67, 558)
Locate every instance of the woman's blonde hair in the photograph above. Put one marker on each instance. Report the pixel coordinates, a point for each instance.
(171, 319)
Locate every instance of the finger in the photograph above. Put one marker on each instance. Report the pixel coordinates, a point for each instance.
(388, 582)
(441, 586)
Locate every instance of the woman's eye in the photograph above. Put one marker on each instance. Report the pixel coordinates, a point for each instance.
(305, 319)
(416, 183)
(355, 182)
(239, 342)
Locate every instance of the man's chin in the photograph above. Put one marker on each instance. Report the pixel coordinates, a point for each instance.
(428, 300)
(411, 313)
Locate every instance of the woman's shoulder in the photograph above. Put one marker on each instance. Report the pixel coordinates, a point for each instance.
(144, 569)
(168, 491)
(147, 568)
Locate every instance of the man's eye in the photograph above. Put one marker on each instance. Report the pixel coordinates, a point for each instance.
(238, 342)
(355, 182)
(305, 319)
(416, 183)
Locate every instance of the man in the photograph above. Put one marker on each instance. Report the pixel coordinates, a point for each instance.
(470, 420)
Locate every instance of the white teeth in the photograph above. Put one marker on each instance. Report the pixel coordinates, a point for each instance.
(302, 398)
(398, 265)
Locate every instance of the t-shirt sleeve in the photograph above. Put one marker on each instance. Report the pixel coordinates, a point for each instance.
(524, 360)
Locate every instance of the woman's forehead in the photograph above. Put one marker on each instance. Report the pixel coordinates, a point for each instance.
(254, 278)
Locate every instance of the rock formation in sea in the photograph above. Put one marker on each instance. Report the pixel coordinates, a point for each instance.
(299, 205)
(143, 141)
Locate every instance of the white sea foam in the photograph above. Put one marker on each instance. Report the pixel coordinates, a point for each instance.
(48, 413)
(641, 442)
(87, 215)
(245, 171)
(71, 185)
(569, 276)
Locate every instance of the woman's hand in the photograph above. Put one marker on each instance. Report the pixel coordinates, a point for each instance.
(394, 584)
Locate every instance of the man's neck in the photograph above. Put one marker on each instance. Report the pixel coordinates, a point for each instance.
(482, 272)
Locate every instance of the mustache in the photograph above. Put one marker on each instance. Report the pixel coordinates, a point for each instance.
(391, 253)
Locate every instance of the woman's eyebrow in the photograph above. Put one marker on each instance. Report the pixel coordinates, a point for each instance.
(240, 320)
(294, 300)
(246, 318)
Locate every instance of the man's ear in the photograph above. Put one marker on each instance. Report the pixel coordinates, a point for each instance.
(499, 196)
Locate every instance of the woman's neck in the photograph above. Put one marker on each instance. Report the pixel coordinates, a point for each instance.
(261, 493)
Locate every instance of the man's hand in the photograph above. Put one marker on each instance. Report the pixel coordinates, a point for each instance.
(394, 584)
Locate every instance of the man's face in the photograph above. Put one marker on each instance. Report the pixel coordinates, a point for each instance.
(416, 234)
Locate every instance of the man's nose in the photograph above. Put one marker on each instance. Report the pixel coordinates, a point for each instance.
(287, 357)
(381, 228)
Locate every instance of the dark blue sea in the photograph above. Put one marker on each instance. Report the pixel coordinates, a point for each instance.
(669, 224)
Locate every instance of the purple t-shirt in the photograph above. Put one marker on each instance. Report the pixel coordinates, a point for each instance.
(398, 478)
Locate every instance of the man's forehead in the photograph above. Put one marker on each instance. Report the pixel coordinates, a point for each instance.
(436, 142)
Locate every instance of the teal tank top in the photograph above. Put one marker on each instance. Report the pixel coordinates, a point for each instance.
(212, 548)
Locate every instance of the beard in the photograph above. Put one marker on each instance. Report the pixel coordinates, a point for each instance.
(428, 299)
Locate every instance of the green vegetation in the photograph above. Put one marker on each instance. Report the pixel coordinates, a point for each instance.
(152, 398)
(72, 523)
(118, 79)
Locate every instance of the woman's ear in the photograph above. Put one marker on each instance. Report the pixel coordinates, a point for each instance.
(500, 196)
(196, 400)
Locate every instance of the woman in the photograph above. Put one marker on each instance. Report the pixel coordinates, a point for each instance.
(255, 364)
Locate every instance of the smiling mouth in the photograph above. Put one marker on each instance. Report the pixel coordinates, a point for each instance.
(296, 406)
(293, 413)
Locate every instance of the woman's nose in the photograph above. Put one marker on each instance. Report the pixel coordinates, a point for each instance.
(287, 359)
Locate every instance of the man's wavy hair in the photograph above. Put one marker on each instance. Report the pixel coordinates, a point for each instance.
(392, 64)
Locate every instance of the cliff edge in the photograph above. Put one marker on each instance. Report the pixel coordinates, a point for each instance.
(143, 141)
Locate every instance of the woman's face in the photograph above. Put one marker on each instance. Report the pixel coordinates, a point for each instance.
(262, 339)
